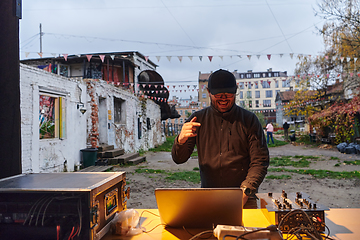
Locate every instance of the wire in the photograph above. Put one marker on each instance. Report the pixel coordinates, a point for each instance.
(201, 233)
(194, 234)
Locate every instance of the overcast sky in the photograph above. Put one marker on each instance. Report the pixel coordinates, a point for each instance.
(225, 30)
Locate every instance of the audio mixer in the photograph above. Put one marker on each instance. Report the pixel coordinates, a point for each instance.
(290, 209)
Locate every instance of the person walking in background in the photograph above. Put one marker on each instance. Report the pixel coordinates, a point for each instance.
(269, 132)
(286, 131)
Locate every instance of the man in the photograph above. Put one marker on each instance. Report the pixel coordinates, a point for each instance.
(230, 141)
(286, 131)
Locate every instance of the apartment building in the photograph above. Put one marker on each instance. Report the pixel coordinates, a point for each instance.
(256, 90)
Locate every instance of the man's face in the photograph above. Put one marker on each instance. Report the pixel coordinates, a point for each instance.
(222, 101)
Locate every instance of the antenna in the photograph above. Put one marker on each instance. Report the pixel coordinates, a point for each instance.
(41, 34)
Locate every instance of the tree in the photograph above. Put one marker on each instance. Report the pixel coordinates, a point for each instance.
(341, 33)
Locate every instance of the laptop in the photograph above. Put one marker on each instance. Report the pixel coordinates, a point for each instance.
(199, 207)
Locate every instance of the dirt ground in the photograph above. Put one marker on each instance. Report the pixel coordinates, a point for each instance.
(332, 193)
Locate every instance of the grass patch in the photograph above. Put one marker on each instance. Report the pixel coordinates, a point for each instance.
(283, 176)
(190, 176)
(286, 161)
(277, 143)
(320, 173)
(356, 162)
(334, 158)
(166, 146)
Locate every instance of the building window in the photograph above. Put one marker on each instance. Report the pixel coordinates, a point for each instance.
(249, 86)
(266, 84)
(256, 84)
(204, 104)
(148, 123)
(256, 75)
(181, 121)
(181, 112)
(276, 83)
(285, 83)
(250, 104)
(264, 75)
(248, 75)
(204, 95)
(119, 110)
(276, 74)
(64, 71)
(242, 75)
(241, 94)
(269, 93)
(276, 92)
(267, 103)
(257, 94)
(248, 94)
(241, 85)
(51, 116)
(257, 103)
(242, 103)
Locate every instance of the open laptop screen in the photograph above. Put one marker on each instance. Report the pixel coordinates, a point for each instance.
(199, 207)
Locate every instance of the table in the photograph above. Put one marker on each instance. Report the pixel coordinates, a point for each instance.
(343, 224)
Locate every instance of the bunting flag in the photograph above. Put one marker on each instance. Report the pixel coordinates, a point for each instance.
(180, 58)
(268, 56)
(210, 58)
(53, 54)
(169, 58)
(200, 57)
(249, 57)
(146, 58)
(291, 55)
(190, 57)
(158, 58)
(102, 57)
(40, 54)
(258, 56)
(65, 56)
(89, 56)
(221, 57)
(27, 54)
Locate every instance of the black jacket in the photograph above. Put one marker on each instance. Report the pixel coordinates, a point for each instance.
(231, 147)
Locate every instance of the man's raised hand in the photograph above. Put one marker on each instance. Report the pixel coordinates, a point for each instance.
(188, 130)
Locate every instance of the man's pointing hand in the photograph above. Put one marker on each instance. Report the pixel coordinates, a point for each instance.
(188, 130)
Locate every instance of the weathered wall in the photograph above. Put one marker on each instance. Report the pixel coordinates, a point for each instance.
(50, 155)
(124, 133)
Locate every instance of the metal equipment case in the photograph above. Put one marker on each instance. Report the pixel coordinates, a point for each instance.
(60, 205)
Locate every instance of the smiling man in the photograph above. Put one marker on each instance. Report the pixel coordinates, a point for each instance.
(230, 141)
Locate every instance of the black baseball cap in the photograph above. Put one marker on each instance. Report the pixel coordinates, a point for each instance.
(222, 81)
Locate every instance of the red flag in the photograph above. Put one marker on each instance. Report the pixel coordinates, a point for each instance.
(89, 56)
(102, 57)
(269, 56)
(65, 56)
(210, 58)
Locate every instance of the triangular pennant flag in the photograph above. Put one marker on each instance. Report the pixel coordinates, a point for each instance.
(65, 56)
(200, 57)
(112, 57)
(79, 55)
(281, 55)
(146, 58)
(258, 56)
(341, 59)
(291, 55)
(40, 54)
(239, 56)
(180, 58)
(210, 58)
(53, 54)
(348, 59)
(169, 58)
(102, 57)
(268, 56)
(326, 57)
(355, 60)
(221, 57)
(190, 57)
(27, 54)
(89, 56)
(158, 58)
(249, 57)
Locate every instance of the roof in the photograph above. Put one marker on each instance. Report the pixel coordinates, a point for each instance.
(287, 95)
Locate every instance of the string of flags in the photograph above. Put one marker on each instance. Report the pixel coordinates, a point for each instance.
(201, 58)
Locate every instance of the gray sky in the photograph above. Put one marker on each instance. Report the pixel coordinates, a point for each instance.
(177, 28)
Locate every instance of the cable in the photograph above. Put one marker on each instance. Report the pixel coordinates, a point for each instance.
(201, 233)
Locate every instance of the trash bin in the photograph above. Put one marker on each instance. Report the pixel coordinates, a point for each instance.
(88, 156)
